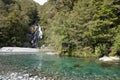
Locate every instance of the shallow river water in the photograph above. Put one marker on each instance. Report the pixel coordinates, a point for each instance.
(59, 68)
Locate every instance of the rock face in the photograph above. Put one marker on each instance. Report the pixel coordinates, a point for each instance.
(106, 58)
(36, 35)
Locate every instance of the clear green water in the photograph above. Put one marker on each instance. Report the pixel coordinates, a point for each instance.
(62, 68)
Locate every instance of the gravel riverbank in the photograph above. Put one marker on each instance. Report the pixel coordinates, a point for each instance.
(20, 76)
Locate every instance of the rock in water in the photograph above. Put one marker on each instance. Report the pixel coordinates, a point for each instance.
(106, 58)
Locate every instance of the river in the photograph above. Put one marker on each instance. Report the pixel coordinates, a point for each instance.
(59, 68)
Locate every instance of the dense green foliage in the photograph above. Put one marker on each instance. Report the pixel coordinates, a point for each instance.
(82, 27)
(15, 18)
(71, 27)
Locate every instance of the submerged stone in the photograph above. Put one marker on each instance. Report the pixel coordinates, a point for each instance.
(76, 65)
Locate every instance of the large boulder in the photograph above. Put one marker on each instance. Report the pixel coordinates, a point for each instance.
(106, 58)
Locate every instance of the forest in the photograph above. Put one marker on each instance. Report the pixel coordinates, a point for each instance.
(71, 27)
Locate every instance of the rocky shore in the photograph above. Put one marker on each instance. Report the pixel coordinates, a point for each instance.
(22, 50)
(20, 76)
(18, 49)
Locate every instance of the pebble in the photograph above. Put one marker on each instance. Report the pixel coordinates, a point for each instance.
(19, 76)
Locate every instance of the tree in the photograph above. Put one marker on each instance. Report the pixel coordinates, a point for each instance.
(16, 17)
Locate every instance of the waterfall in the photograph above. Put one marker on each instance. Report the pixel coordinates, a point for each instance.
(36, 36)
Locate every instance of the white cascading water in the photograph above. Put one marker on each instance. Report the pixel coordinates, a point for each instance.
(36, 37)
